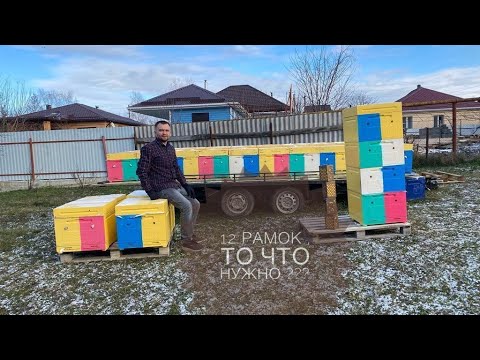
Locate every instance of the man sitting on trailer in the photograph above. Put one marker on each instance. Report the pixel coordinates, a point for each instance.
(162, 178)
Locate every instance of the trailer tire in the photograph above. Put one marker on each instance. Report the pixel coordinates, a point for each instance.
(237, 202)
(287, 200)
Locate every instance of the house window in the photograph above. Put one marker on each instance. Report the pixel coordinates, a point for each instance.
(407, 122)
(197, 117)
(437, 120)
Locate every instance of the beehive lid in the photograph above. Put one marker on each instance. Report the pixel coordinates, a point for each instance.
(100, 205)
(138, 193)
(134, 206)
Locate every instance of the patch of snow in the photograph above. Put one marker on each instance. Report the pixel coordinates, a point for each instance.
(436, 270)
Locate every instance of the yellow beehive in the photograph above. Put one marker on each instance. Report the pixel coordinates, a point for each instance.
(190, 168)
(390, 119)
(266, 155)
(350, 125)
(138, 194)
(156, 221)
(267, 164)
(243, 150)
(333, 147)
(187, 152)
(143, 195)
(340, 163)
(171, 214)
(273, 150)
(213, 151)
(86, 224)
(124, 155)
(265, 146)
(315, 148)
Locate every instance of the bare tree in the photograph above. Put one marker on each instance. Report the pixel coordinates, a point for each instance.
(299, 104)
(55, 98)
(177, 83)
(14, 100)
(360, 98)
(323, 76)
(135, 98)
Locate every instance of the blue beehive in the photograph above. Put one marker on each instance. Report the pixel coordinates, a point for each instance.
(369, 127)
(251, 164)
(129, 232)
(408, 161)
(180, 163)
(415, 187)
(328, 158)
(393, 178)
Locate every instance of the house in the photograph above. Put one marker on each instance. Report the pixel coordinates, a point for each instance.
(419, 117)
(190, 103)
(253, 100)
(316, 108)
(73, 116)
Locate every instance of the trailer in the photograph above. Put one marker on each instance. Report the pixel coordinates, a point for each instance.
(285, 193)
(238, 195)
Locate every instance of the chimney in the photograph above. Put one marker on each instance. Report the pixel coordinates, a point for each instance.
(49, 107)
(271, 94)
(418, 86)
(205, 84)
(96, 106)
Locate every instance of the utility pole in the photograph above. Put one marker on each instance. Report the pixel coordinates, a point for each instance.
(454, 125)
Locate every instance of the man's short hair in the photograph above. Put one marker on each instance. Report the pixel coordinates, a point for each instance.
(162, 122)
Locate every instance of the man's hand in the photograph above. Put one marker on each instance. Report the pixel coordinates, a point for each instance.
(189, 190)
(153, 195)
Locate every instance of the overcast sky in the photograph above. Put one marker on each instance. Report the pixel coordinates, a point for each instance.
(106, 75)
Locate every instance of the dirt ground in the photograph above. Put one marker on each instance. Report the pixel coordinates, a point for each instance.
(255, 286)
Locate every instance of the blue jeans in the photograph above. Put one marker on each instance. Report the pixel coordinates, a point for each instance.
(188, 208)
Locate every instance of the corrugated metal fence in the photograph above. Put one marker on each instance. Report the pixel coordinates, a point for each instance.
(67, 154)
(290, 129)
(60, 154)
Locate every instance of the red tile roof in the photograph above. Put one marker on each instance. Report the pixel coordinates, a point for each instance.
(421, 94)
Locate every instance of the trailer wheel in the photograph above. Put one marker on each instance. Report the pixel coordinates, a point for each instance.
(287, 200)
(237, 202)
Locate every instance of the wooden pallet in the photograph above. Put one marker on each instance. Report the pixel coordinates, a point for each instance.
(349, 230)
(114, 253)
(444, 177)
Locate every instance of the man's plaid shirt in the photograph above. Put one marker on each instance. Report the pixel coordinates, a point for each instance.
(158, 168)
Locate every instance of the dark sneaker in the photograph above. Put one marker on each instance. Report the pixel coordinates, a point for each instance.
(191, 246)
(197, 239)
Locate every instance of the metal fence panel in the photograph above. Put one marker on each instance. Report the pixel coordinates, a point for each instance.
(306, 128)
(87, 156)
(68, 157)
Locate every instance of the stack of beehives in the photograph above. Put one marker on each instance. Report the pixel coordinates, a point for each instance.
(375, 159)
